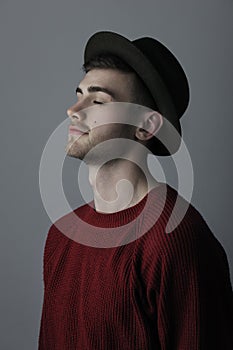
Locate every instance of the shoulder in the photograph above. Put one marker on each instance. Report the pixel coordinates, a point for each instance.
(189, 249)
(61, 231)
(174, 225)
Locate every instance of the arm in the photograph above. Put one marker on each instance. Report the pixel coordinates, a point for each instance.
(53, 240)
(195, 300)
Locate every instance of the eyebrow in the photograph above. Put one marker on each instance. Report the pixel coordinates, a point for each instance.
(96, 89)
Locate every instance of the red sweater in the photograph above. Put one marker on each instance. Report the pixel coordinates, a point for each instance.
(160, 291)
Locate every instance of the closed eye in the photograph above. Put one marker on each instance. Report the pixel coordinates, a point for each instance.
(98, 102)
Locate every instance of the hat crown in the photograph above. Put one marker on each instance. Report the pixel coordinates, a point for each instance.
(169, 70)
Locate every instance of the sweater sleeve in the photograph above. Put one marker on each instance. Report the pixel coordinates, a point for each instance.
(178, 314)
(188, 289)
(53, 240)
(49, 249)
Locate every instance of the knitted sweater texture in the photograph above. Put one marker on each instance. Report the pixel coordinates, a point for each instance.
(150, 290)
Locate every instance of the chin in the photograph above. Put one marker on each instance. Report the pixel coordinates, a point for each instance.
(71, 152)
(75, 155)
(74, 149)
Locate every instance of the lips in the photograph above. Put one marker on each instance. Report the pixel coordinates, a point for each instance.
(76, 131)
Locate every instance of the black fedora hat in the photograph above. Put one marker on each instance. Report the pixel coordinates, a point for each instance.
(161, 73)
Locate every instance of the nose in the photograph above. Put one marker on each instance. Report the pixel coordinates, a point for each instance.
(75, 111)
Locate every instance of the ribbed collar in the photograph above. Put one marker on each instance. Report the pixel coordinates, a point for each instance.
(122, 217)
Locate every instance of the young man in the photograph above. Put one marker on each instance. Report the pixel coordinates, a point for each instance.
(114, 279)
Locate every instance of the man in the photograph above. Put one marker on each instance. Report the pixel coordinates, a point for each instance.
(114, 278)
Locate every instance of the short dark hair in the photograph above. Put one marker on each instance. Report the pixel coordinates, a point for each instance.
(140, 93)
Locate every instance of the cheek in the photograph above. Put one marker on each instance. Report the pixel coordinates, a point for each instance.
(97, 117)
(97, 135)
(108, 133)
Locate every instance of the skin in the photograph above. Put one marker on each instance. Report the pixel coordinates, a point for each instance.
(118, 183)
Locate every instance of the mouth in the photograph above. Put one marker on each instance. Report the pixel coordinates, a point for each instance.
(75, 131)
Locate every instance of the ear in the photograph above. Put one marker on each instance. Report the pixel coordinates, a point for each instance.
(151, 124)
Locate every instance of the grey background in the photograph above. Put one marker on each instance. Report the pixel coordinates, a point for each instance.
(41, 55)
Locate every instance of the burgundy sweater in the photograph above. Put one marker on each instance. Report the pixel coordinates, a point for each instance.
(158, 291)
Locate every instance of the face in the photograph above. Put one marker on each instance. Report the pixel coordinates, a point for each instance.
(91, 124)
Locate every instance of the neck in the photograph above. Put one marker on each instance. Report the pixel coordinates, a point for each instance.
(119, 184)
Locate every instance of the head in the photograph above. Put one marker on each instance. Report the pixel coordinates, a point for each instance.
(108, 78)
(161, 73)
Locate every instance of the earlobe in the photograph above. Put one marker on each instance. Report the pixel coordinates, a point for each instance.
(152, 123)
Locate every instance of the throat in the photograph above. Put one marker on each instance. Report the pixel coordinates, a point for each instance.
(118, 186)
